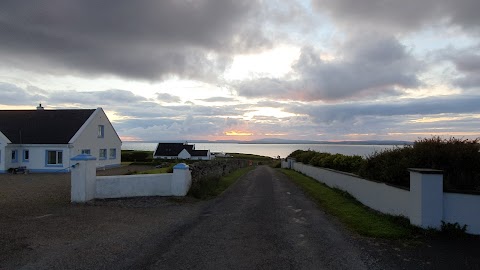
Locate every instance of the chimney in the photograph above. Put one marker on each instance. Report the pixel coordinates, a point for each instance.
(39, 107)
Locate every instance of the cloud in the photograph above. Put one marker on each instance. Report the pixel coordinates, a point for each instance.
(95, 98)
(344, 112)
(13, 95)
(369, 65)
(141, 39)
(167, 98)
(408, 15)
(467, 63)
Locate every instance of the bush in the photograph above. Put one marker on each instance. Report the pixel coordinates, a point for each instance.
(137, 156)
(338, 162)
(459, 159)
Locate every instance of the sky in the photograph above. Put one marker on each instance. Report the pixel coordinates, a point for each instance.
(243, 70)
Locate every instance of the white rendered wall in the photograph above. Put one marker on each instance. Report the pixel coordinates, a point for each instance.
(3, 143)
(184, 155)
(120, 186)
(37, 159)
(464, 209)
(378, 196)
(87, 138)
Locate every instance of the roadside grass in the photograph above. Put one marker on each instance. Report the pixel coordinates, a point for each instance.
(355, 215)
(214, 186)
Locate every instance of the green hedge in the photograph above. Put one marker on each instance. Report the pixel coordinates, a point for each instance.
(458, 158)
(351, 164)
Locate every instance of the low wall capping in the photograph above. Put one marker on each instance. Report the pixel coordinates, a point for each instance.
(425, 171)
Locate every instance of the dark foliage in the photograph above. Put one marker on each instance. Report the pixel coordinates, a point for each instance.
(458, 158)
(338, 162)
(137, 156)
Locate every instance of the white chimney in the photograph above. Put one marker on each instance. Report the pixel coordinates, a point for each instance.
(39, 107)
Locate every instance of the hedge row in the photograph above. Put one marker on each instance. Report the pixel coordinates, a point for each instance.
(458, 158)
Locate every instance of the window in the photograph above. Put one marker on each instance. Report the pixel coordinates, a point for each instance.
(14, 156)
(26, 155)
(54, 157)
(113, 153)
(101, 131)
(103, 154)
(86, 151)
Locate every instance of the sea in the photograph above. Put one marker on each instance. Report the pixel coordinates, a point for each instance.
(271, 150)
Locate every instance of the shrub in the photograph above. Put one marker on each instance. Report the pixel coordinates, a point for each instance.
(338, 162)
(458, 158)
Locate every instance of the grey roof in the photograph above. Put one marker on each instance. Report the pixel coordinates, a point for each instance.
(173, 149)
(42, 126)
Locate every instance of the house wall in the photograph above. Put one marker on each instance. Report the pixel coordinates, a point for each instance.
(184, 154)
(87, 138)
(3, 143)
(37, 157)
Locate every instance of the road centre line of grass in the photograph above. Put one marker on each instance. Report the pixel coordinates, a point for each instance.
(349, 211)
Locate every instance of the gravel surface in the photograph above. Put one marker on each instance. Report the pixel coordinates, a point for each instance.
(41, 229)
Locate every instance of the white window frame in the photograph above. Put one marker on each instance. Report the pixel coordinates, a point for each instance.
(58, 158)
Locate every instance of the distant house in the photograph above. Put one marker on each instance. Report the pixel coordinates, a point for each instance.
(180, 151)
(45, 140)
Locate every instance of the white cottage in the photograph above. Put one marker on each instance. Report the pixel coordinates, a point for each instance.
(45, 140)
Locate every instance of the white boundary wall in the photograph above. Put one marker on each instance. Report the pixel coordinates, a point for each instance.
(426, 205)
(85, 185)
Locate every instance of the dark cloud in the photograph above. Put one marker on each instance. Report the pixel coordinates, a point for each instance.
(408, 15)
(467, 64)
(370, 65)
(344, 112)
(142, 39)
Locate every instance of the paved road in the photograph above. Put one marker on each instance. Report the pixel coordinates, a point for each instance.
(262, 222)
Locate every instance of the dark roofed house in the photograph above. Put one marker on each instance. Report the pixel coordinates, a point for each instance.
(180, 151)
(45, 140)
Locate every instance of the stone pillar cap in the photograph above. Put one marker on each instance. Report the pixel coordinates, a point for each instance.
(181, 166)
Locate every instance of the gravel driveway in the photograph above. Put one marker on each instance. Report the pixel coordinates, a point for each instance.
(41, 229)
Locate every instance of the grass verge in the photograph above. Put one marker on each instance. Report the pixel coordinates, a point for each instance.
(355, 215)
(212, 187)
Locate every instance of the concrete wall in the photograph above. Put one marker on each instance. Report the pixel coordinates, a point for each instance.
(85, 185)
(378, 196)
(464, 209)
(425, 204)
(120, 186)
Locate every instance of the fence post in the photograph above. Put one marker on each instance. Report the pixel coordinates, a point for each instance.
(426, 196)
(83, 178)
(182, 179)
